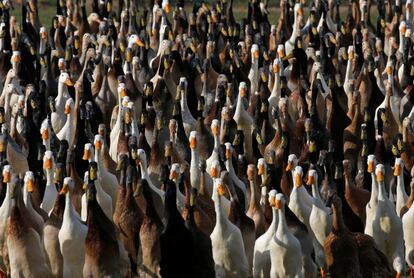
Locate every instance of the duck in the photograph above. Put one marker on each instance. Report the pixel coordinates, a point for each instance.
(51, 192)
(72, 234)
(158, 193)
(58, 116)
(254, 210)
(300, 201)
(290, 43)
(240, 187)
(101, 239)
(68, 131)
(387, 226)
(227, 242)
(341, 250)
(402, 196)
(92, 176)
(149, 234)
(371, 206)
(5, 208)
(357, 198)
(108, 179)
(407, 223)
(27, 199)
(181, 198)
(244, 122)
(175, 241)
(23, 241)
(261, 255)
(285, 249)
(188, 120)
(254, 69)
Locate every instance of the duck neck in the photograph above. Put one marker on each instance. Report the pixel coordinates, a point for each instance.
(275, 219)
(315, 191)
(337, 220)
(68, 205)
(50, 180)
(381, 191)
(183, 102)
(276, 87)
(254, 200)
(282, 227)
(221, 218)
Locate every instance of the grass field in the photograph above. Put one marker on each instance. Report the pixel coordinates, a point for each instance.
(47, 9)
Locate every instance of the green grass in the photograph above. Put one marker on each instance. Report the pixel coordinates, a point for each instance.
(47, 10)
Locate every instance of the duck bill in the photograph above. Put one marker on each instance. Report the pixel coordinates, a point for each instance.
(220, 190)
(69, 82)
(310, 181)
(397, 170)
(45, 134)
(6, 177)
(370, 167)
(173, 175)
(214, 172)
(47, 164)
(86, 154)
(380, 176)
(98, 145)
(278, 204)
(289, 166)
(260, 169)
(64, 189)
(2, 147)
(298, 180)
(193, 143)
(67, 109)
(30, 185)
(272, 200)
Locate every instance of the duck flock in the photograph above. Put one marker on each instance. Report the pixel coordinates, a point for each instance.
(158, 139)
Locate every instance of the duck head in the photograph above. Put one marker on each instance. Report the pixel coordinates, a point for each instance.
(371, 162)
(380, 173)
(62, 153)
(261, 167)
(312, 177)
(7, 174)
(68, 186)
(280, 201)
(292, 162)
(174, 172)
(48, 161)
(193, 140)
(88, 152)
(298, 173)
(64, 78)
(398, 167)
(93, 171)
(15, 60)
(60, 173)
(29, 181)
(272, 197)
(69, 106)
(215, 169)
(123, 162)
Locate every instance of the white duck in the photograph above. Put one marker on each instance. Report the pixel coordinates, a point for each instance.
(68, 131)
(174, 172)
(371, 207)
(227, 242)
(58, 116)
(408, 226)
(27, 189)
(300, 202)
(109, 182)
(116, 128)
(8, 179)
(188, 120)
(244, 121)
(290, 44)
(254, 69)
(72, 235)
(261, 256)
(215, 171)
(45, 131)
(195, 161)
(142, 160)
(232, 173)
(103, 198)
(320, 219)
(402, 196)
(215, 130)
(387, 226)
(285, 250)
(51, 192)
